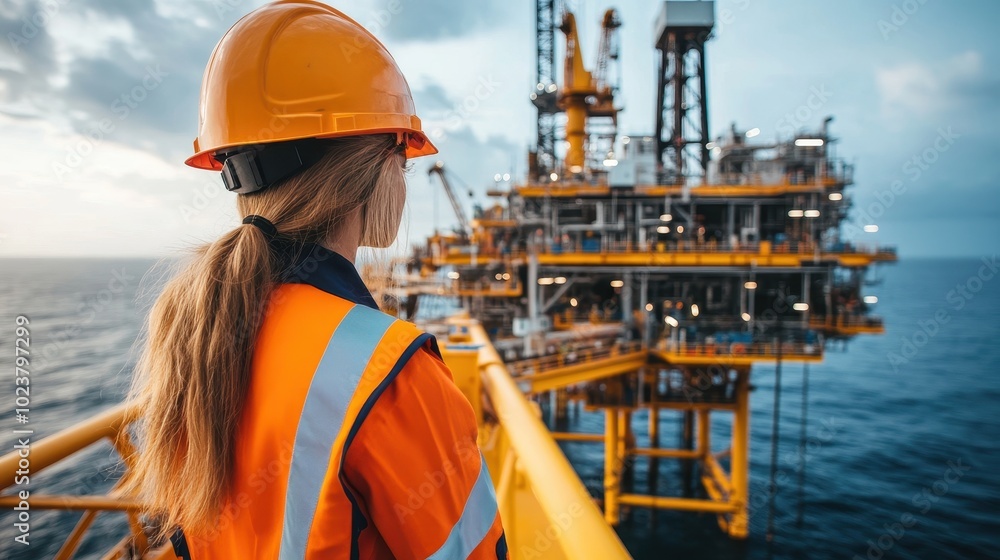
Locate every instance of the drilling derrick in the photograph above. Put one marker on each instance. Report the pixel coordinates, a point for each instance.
(682, 136)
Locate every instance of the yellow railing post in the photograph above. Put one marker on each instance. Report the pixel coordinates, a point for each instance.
(611, 478)
(739, 458)
(704, 433)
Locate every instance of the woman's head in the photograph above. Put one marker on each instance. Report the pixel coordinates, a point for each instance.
(356, 189)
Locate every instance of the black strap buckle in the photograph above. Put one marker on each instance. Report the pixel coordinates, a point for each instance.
(259, 167)
(241, 173)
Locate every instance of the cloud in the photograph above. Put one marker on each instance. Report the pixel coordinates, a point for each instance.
(924, 89)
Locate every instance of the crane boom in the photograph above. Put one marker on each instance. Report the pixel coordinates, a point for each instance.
(463, 222)
(608, 50)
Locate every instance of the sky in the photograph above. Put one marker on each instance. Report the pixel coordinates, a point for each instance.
(99, 104)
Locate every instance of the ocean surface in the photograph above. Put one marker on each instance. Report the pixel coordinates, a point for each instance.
(902, 446)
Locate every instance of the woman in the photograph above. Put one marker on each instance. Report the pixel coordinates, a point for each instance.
(284, 416)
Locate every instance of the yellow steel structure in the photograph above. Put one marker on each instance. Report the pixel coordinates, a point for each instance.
(763, 254)
(573, 190)
(848, 326)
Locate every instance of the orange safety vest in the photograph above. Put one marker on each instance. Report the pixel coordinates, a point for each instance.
(323, 356)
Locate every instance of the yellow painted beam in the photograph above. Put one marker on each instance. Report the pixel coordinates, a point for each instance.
(572, 190)
(666, 453)
(571, 436)
(681, 504)
(578, 373)
(692, 359)
(74, 502)
(640, 257)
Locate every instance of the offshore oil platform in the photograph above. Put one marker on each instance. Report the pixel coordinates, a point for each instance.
(653, 271)
(646, 273)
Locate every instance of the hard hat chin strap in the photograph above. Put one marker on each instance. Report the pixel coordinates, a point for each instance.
(254, 169)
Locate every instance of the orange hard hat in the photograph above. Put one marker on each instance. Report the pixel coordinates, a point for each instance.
(298, 69)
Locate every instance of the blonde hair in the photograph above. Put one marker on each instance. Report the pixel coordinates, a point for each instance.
(191, 380)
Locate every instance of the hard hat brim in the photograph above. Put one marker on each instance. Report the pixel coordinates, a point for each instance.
(205, 159)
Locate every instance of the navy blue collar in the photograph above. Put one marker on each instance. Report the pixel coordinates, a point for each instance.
(331, 272)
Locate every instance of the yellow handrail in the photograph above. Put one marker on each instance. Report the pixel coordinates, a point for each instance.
(54, 448)
(577, 525)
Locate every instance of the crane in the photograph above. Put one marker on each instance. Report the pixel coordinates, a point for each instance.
(463, 223)
(585, 94)
(606, 52)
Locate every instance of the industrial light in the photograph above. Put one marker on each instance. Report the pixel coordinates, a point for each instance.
(499, 276)
(670, 321)
(540, 86)
(576, 169)
(753, 132)
(497, 177)
(625, 139)
(560, 279)
(746, 317)
(453, 275)
(610, 162)
(871, 228)
(694, 310)
(573, 302)
(666, 217)
(506, 176)
(871, 299)
(546, 281)
(663, 229)
(751, 285)
(680, 229)
(836, 196)
(649, 307)
(801, 307)
(552, 87)
(506, 276)
(617, 283)
(809, 142)
(812, 213)
(554, 176)
(710, 145)
(716, 151)
(795, 213)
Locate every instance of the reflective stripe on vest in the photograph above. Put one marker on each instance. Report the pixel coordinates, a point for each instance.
(330, 392)
(477, 518)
